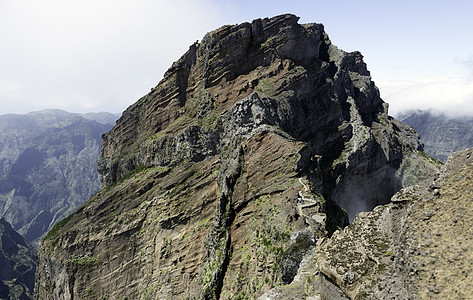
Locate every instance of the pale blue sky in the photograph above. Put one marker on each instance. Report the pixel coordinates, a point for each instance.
(102, 55)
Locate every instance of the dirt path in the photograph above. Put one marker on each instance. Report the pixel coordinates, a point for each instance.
(304, 202)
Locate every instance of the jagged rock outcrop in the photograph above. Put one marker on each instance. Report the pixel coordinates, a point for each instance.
(17, 264)
(219, 181)
(47, 167)
(441, 134)
(417, 247)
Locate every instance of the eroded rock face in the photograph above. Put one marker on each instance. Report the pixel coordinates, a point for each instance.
(417, 247)
(219, 181)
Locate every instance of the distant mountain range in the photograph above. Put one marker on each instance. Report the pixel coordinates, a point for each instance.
(48, 166)
(442, 135)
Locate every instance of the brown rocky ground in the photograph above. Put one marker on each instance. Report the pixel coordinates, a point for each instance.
(418, 247)
(441, 239)
(148, 235)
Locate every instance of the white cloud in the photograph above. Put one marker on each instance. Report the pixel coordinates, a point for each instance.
(452, 94)
(105, 54)
(10, 89)
(93, 54)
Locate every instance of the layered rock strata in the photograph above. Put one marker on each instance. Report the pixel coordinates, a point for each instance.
(220, 180)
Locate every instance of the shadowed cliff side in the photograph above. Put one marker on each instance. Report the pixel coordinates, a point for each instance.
(219, 181)
(17, 261)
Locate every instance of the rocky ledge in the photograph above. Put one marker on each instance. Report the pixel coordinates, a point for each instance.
(417, 247)
(219, 181)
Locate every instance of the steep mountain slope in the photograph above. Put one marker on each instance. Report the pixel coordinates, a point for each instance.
(441, 134)
(17, 264)
(47, 167)
(418, 247)
(217, 182)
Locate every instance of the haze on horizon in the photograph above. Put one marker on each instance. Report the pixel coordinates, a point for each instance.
(103, 55)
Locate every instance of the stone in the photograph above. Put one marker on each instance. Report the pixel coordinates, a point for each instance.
(411, 273)
(201, 177)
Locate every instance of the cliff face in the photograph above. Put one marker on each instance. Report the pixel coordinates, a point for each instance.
(47, 167)
(17, 262)
(417, 247)
(217, 182)
(441, 134)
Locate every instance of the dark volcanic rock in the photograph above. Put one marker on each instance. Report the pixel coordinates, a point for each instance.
(219, 181)
(17, 264)
(48, 167)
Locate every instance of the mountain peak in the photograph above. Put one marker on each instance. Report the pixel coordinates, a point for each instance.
(218, 182)
(273, 57)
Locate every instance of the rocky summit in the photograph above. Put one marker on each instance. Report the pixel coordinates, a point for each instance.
(259, 142)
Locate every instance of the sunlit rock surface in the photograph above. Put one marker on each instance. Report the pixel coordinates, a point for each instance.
(219, 183)
(417, 247)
